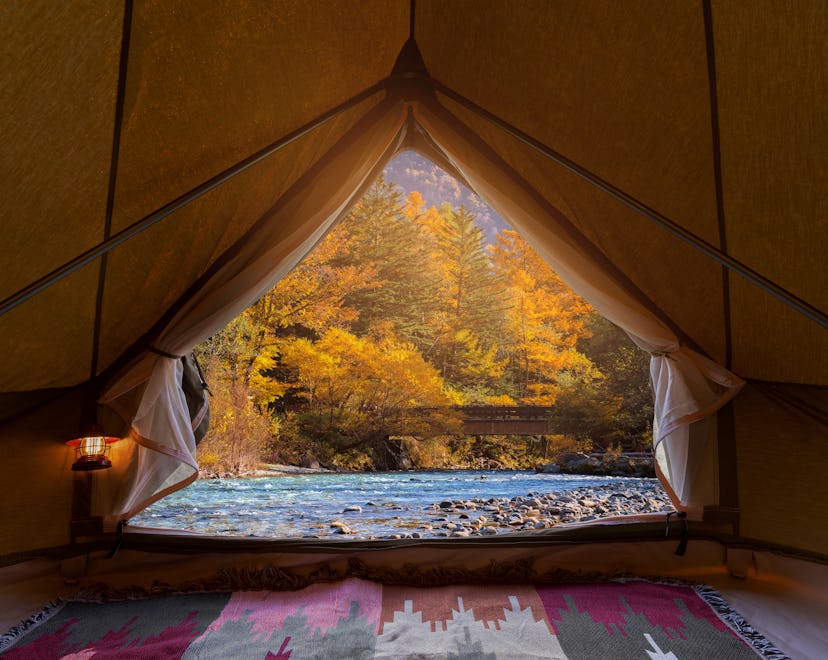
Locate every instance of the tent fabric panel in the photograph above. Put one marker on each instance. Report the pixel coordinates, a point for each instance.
(687, 287)
(782, 486)
(48, 339)
(773, 342)
(58, 100)
(620, 89)
(36, 506)
(211, 83)
(773, 94)
(157, 266)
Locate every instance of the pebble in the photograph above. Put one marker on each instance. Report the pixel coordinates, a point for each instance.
(535, 511)
(541, 511)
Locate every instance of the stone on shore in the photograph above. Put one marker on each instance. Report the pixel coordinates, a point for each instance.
(550, 468)
(538, 511)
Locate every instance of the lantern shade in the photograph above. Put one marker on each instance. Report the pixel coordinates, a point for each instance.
(91, 450)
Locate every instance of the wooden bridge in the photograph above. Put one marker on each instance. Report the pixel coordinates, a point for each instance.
(503, 420)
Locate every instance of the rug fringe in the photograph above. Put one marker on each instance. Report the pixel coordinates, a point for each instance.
(726, 613)
(27, 625)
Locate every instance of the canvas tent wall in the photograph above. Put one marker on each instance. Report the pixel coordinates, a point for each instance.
(163, 163)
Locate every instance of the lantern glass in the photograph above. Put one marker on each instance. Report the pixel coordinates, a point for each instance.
(91, 450)
(93, 446)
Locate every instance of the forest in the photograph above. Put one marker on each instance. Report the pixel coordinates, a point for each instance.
(358, 359)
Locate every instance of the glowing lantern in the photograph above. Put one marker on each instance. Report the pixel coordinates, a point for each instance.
(91, 450)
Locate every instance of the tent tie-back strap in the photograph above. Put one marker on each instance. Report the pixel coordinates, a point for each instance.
(756, 278)
(682, 516)
(158, 351)
(172, 356)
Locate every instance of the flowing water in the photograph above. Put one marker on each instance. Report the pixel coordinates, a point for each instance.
(304, 505)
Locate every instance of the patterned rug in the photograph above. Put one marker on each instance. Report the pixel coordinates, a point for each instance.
(360, 619)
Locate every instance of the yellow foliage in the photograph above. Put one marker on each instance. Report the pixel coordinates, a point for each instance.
(545, 321)
(500, 400)
(239, 436)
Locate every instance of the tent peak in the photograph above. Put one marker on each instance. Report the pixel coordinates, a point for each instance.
(409, 77)
(409, 62)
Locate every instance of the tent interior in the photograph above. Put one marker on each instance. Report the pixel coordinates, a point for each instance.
(163, 164)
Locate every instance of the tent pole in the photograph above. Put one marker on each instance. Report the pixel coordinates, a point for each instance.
(770, 287)
(717, 174)
(727, 452)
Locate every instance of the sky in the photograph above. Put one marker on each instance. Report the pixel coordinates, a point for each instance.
(411, 171)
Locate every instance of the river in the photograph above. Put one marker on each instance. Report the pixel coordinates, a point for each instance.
(391, 502)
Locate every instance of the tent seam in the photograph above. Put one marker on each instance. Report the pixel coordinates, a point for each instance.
(113, 179)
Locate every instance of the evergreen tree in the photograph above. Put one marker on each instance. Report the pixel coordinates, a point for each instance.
(383, 238)
(468, 321)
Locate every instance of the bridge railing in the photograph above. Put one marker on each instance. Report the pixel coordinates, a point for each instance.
(482, 413)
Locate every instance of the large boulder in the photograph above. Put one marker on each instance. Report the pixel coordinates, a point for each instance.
(549, 468)
(309, 461)
(579, 463)
(610, 463)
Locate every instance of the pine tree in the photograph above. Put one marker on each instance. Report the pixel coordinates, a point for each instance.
(468, 322)
(383, 238)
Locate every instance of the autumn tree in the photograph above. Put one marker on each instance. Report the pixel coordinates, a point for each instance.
(399, 313)
(543, 325)
(360, 390)
(616, 410)
(242, 360)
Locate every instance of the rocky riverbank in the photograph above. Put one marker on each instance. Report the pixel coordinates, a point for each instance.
(535, 511)
(607, 463)
(267, 470)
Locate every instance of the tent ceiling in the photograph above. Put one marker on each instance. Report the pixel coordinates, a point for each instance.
(622, 93)
(622, 89)
(210, 84)
(58, 98)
